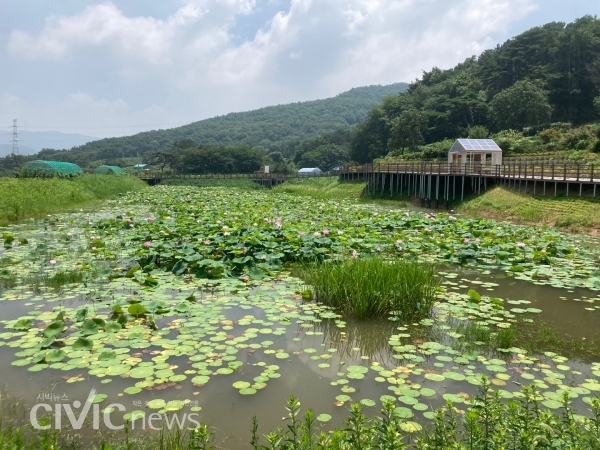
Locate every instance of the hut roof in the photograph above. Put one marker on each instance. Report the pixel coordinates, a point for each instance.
(475, 145)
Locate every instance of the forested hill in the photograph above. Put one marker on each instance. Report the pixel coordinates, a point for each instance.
(549, 74)
(274, 128)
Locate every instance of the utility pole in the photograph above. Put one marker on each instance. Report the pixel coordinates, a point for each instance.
(15, 149)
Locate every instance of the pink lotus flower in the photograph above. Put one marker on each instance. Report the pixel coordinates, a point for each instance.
(245, 278)
(340, 232)
(206, 242)
(325, 231)
(301, 233)
(467, 240)
(378, 249)
(317, 234)
(477, 240)
(400, 249)
(69, 234)
(354, 254)
(147, 244)
(520, 244)
(52, 262)
(399, 241)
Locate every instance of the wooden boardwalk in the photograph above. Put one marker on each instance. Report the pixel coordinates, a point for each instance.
(438, 181)
(444, 182)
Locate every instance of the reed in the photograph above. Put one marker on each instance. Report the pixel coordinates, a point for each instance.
(373, 287)
(21, 198)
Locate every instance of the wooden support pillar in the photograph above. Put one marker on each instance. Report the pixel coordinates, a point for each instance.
(462, 194)
(454, 187)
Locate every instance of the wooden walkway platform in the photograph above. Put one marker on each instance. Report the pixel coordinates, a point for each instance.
(437, 181)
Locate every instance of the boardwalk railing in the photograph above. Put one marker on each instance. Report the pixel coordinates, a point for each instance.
(567, 172)
(540, 171)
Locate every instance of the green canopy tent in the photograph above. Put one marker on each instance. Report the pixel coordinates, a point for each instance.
(49, 169)
(108, 170)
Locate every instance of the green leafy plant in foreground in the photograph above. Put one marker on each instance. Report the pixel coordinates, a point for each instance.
(489, 424)
(374, 287)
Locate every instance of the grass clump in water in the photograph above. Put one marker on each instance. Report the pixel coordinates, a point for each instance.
(374, 287)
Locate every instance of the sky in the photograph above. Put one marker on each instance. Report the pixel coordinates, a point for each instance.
(118, 67)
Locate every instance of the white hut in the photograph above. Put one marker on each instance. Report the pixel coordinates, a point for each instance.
(309, 172)
(475, 152)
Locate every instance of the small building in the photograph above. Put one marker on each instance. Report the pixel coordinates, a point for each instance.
(108, 170)
(141, 166)
(49, 169)
(475, 152)
(309, 172)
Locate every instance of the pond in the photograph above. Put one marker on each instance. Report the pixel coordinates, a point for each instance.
(177, 301)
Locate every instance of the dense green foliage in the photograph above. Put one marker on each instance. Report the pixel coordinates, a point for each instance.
(21, 198)
(373, 287)
(547, 74)
(272, 129)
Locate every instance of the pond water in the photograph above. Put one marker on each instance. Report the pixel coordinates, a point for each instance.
(231, 348)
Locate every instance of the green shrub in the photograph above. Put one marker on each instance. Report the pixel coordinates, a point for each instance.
(373, 287)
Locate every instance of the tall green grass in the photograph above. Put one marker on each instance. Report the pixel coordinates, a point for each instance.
(21, 198)
(323, 188)
(242, 183)
(373, 287)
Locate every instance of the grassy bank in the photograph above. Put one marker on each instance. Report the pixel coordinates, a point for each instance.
(244, 183)
(572, 213)
(31, 197)
(324, 188)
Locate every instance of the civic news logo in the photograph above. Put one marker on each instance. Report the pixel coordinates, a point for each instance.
(78, 414)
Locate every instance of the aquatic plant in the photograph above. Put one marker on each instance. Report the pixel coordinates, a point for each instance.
(488, 424)
(373, 287)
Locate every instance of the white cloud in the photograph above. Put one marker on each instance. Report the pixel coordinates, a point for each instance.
(310, 49)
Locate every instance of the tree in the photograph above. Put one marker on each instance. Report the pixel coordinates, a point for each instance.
(597, 104)
(407, 130)
(522, 105)
(324, 156)
(478, 132)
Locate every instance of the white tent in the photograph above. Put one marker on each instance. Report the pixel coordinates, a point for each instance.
(472, 152)
(309, 171)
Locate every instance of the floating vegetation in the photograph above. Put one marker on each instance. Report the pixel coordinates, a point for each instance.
(174, 296)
